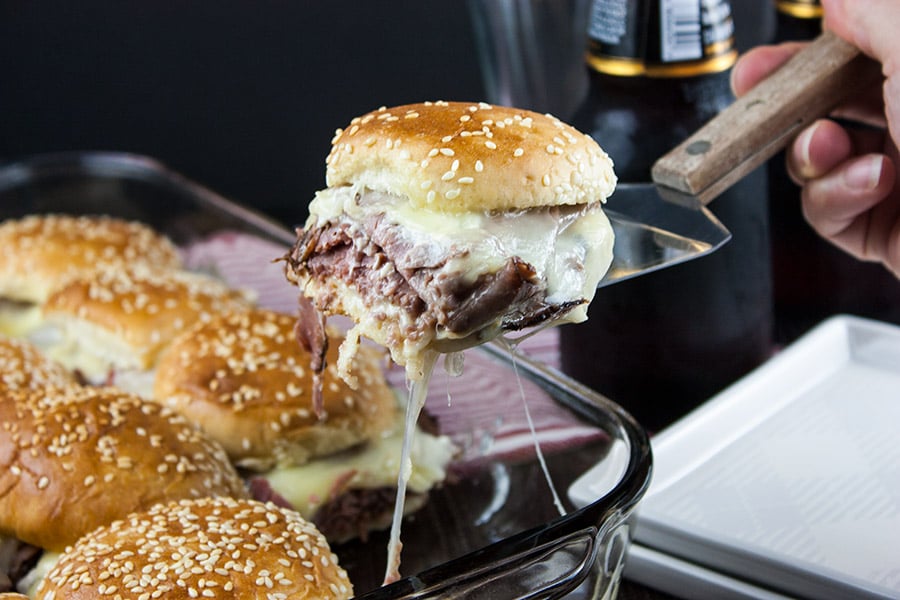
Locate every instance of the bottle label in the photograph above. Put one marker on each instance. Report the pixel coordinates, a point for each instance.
(665, 38)
(800, 9)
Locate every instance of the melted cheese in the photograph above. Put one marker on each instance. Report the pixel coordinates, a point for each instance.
(374, 465)
(28, 585)
(569, 247)
(79, 345)
(18, 319)
(418, 392)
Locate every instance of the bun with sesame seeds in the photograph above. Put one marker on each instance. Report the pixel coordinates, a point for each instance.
(461, 157)
(445, 224)
(75, 458)
(38, 253)
(209, 548)
(24, 367)
(111, 325)
(245, 379)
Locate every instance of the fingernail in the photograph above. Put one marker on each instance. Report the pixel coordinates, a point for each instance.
(804, 141)
(864, 174)
(738, 66)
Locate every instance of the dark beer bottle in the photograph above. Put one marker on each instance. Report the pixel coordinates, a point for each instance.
(814, 280)
(797, 19)
(661, 343)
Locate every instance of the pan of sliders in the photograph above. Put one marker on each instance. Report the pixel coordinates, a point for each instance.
(504, 436)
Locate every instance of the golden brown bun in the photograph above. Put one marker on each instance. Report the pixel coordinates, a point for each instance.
(24, 367)
(39, 253)
(206, 548)
(459, 156)
(127, 317)
(72, 460)
(245, 378)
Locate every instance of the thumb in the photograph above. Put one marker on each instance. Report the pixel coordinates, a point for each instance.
(871, 26)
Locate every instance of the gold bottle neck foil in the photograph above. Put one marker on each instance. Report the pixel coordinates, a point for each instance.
(628, 67)
(799, 9)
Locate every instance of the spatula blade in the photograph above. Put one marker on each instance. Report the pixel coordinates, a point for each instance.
(653, 232)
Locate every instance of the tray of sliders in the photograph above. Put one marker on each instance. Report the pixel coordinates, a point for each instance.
(165, 426)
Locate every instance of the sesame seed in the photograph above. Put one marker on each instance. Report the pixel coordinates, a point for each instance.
(518, 152)
(447, 151)
(490, 145)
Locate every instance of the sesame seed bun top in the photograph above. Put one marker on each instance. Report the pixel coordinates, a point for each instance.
(127, 316)
(24, 367)
(40, 252)
(76, 458)
(218, 548)
(458, 157)
(245, 378)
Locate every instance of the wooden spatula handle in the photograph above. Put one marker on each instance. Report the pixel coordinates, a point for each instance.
(759, 124)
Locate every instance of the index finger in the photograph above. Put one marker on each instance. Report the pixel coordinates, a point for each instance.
(759, 63)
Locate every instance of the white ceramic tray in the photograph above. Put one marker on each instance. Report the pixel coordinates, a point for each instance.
(786, 483)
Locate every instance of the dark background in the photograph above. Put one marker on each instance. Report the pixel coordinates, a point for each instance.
(243, 96)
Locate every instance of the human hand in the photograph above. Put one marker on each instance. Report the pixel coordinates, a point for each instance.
(850, 187)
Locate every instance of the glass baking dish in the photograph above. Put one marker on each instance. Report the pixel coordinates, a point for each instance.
(494, 530)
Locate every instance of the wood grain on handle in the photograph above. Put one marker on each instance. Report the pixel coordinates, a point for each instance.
(759, 124)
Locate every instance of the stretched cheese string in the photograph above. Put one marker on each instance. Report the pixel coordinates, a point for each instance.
(418, 392)
(510, 347)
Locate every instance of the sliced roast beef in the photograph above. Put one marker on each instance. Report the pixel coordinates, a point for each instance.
(379, 261)
(356, 512)
(16, 560)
